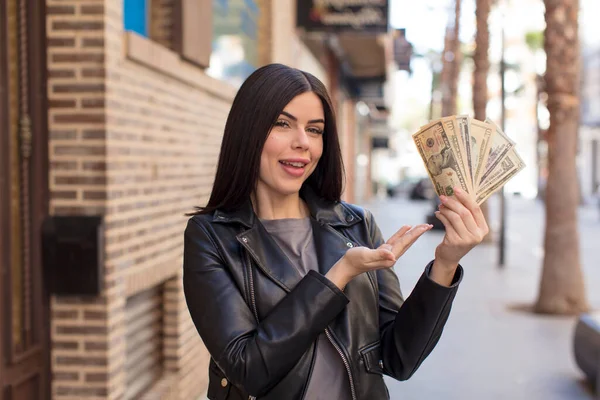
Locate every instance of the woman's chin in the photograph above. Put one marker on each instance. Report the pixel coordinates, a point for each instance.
(288, 188)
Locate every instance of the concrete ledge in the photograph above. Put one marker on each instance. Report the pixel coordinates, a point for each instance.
(159, 58)
(586, 347)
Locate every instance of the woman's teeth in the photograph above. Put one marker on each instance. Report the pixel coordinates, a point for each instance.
(293, 164)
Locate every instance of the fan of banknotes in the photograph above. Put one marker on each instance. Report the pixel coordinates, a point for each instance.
(473, 155)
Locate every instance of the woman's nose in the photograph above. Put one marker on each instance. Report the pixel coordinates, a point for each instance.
(301, 138)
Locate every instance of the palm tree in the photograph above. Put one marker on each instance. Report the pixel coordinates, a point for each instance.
(562, 288)
(451, 64)
(480, 73)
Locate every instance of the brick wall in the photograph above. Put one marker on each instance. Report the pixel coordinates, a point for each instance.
(134, 136)
(162, 22)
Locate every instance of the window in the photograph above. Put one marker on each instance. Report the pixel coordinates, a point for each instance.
(235, 40)
(184, 26)
(135, 16)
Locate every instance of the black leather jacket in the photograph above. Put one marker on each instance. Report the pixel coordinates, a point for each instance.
(260, 319)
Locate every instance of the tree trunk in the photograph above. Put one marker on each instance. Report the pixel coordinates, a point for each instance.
(562, 288)
(480, 74)
(451, 64)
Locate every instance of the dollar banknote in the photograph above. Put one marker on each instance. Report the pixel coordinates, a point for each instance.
(501, 145)
(434, 146)
(460, 151)
(464, 122)
(456, 143)
(508, 167)
(481, 141)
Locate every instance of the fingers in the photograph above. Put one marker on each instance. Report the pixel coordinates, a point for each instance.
(396, 236)
(456, 222)
(469, 203)
(460, 217)
(450, 232)
(449, 228)
(409, 238)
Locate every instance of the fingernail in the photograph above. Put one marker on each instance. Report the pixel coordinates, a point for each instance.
(457, 190)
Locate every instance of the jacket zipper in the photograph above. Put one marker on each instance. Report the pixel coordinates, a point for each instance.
(344, 360)
(251, 281)
(327, 333)
(252, 298)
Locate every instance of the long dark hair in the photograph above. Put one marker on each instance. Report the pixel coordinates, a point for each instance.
(255, 109)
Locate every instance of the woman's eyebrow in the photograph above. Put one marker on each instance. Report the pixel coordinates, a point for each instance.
(312, 121)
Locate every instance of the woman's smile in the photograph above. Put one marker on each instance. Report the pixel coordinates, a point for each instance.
(295, 166)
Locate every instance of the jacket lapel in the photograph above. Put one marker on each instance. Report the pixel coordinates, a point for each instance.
(330, 245)
(269, 257)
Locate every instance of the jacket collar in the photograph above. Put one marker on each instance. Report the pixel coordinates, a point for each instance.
(325, 212)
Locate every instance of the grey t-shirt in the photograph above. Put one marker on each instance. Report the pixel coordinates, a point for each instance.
(329, 379)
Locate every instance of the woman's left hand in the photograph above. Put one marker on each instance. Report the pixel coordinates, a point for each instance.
(465, 227)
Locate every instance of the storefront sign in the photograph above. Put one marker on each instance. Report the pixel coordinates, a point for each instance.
(343, 15)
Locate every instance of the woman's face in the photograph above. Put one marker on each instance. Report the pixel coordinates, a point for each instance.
(293, 147)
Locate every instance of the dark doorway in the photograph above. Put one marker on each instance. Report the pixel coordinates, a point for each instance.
(24, 303)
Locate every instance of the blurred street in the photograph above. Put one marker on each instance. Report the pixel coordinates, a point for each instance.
(489, 350)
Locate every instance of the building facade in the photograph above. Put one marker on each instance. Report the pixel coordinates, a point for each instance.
(589, 132)
(110, 128)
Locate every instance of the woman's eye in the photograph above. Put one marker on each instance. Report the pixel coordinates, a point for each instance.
(315, 130)
(282, 123)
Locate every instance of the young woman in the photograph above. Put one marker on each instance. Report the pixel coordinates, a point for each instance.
(291, 289)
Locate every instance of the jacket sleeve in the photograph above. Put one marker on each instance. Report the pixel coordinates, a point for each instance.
(252, 355)
(410, 328)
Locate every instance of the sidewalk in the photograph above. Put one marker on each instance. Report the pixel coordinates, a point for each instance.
(489, 351)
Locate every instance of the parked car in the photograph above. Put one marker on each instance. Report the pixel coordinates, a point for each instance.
(422, 190)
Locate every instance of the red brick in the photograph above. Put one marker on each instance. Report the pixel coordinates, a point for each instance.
(93, 195)
(81, 330)
(78, 88)
(81, 392)
(79, 118)
(63, 195)
(65, 376)
(96, 346)
(56, 134)
(80, 180)
(62, 345)
(61, 42)
(61, 73)
(56, 103)
(96, 377)
(63, 165)
(77, 25)
(80, 150)
(92, 9)
(95, 315)
(92, 42)
(93, 72)
(94, 166)
(78, 57)
(60, 10)
(92, 103)
(94, 134)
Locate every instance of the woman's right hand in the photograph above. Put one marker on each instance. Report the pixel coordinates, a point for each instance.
(362, 259)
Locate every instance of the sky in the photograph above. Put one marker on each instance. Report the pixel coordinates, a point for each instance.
(425, 21)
